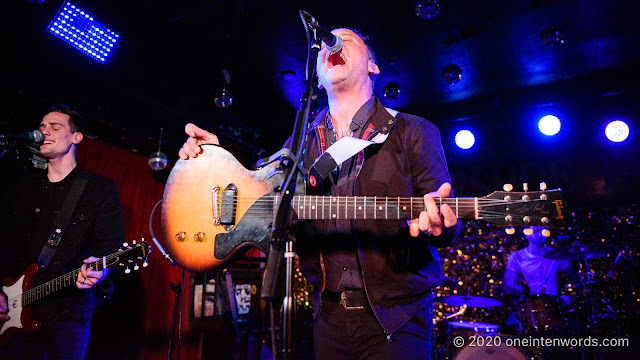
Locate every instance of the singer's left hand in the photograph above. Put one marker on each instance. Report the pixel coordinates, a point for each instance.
(88, 277)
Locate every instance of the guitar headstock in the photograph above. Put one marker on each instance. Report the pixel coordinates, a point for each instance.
(512, 208)
(129, 257)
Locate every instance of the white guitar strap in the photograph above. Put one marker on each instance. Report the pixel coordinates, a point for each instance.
(339, 152)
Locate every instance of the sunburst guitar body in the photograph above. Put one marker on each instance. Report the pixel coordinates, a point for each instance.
(213, 207)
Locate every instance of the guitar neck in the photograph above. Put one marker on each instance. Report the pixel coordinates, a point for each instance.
(376, 208)
(38, 292)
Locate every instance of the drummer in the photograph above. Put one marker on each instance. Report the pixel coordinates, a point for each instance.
(529, 273)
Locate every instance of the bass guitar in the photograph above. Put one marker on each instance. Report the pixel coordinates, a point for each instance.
(21, 293)
(213, 206)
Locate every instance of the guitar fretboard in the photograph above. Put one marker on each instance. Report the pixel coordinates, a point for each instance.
(375, 208)
(38, 292)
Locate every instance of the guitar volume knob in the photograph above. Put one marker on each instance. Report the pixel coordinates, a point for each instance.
(199, 237)
(181, 236)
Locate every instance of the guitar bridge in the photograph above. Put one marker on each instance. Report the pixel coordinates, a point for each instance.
(228, 208)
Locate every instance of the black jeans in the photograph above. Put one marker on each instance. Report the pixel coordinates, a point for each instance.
(356, 334)
(61, 339)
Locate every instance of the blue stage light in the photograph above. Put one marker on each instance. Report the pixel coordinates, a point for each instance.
(549, 125)
(80, 30)
(465, 139)
(617, 131)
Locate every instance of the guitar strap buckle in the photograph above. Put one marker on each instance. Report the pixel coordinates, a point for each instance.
(54, 239)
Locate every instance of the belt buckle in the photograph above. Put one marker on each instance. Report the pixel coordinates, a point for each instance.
(343, 301)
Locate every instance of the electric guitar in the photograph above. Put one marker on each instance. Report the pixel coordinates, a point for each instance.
(21, 293)
(212, 207)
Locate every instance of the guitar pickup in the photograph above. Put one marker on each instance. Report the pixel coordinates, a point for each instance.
(228, 207)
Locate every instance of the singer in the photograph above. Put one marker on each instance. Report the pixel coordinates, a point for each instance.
(36, 206)
(373, 278)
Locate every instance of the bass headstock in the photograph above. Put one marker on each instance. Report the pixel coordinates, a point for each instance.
(525, 208)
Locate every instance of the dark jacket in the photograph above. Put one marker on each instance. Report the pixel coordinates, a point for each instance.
(96, 228)
(399, 271)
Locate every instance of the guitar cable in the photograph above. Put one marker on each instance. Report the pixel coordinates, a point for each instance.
(165, 254)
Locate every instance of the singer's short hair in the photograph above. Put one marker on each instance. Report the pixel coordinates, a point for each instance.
(370, 52)
(75, 120)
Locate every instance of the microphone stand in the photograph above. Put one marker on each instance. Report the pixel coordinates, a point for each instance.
(281, 244)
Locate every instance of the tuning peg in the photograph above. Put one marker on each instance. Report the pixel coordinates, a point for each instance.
(134, 242)
(125, 244)
(543, 186)
(145, 264)
(507, 187)
(127, 270)
(525, 186)
(136, 267)
(510, 230)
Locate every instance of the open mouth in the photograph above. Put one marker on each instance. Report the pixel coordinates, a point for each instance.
(47, 142)
(336, 59)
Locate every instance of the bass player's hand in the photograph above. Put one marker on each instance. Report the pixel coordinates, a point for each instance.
(3, 308)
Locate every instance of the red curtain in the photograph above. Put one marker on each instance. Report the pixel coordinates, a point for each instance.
(136, 323)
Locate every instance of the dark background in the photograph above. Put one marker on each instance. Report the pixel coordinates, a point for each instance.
(168, 66)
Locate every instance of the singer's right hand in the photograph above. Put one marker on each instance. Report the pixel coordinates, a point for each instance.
(191, 148)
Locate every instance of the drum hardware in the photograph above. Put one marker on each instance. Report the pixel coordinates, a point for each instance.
(469, 301)
(582, 253)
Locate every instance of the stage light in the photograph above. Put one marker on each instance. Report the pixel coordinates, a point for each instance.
(427, 9)
(80, 30)
(391, 90)
(223, 99)
(451, 74)
(552, 35)
(549, 125)
(465, 139)
(617, 131)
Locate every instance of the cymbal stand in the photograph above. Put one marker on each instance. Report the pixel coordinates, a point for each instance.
(591, 324)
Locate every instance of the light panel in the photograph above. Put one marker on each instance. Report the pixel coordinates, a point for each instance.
(80, 30)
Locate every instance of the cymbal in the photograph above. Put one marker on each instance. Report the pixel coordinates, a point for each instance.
(582, 251)
(450, 282)
(471, 301)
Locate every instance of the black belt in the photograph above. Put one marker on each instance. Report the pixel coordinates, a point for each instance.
(350, 299)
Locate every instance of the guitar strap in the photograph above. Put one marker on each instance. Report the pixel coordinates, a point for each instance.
(62, 220)
(340, 151)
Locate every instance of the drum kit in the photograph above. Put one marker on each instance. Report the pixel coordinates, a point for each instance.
(538, 315)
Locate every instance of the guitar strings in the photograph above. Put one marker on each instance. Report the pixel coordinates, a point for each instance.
(39, 291)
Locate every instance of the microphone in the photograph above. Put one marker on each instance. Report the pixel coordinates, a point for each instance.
(33, 136)
(333, 42)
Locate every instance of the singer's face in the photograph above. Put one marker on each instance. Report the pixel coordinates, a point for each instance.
(58, 138)
(348, 67)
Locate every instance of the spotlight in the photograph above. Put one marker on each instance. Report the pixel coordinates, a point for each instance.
(552, 35)
(549, 125)
(391, 90)
(427, 9)
(451, 74)
(465, 139)
(158, 160)
(617, 131)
